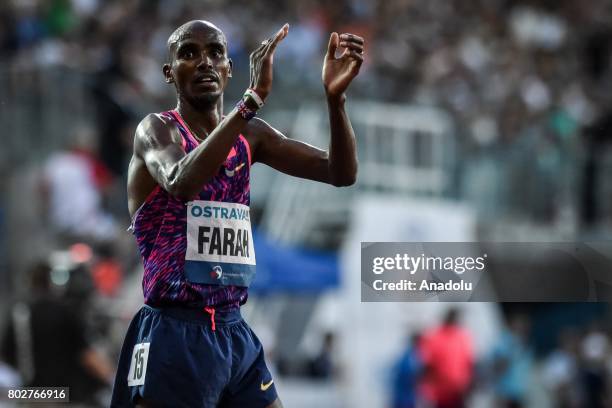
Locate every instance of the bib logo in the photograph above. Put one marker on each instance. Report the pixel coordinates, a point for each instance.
(216, 272)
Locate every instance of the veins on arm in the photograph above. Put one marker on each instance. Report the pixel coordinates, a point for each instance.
(286, 155)
(297, 158)
(160, 147)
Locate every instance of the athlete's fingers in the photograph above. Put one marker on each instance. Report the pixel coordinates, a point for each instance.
(352, 45)
(258, 50)
(264, 44)
(332, 46)
(352, 37)
(256, 59)
(354, 54)
(257, 55)
(280, 35)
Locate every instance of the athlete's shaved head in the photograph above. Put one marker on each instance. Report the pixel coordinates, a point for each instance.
(186, 31)
(197, 63)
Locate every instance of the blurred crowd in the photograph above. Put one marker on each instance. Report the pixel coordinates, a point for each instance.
(439, 367)
(526, 81)
(53, 336)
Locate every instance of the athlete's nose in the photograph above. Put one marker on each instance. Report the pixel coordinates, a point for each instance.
(205, 61)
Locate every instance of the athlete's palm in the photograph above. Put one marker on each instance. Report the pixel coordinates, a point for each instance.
(338, 72)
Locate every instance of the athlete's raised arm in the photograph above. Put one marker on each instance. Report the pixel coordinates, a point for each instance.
(338, 165)
(197, 63)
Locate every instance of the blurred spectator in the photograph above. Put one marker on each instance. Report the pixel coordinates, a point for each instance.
(9, 377)
(406, 375)
(322, 366)
(595, 352)
(560, 371)
(598, 138)
(448, 360)
(46, 342)
(107, 272)
(512, 361)
(75, 181)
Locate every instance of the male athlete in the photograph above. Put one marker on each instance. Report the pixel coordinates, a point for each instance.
(188, 195)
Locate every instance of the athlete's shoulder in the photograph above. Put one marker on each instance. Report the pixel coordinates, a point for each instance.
(157, 128)
(155, 122)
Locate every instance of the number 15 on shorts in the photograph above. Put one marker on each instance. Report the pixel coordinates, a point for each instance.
(138, 366)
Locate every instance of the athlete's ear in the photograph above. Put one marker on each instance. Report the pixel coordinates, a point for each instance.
(231, 64)
(168, 73)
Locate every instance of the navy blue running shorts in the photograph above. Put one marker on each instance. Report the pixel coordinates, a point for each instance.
(172, 357)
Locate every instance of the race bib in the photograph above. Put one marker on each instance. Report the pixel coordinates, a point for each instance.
(138, 366)
(220, 247)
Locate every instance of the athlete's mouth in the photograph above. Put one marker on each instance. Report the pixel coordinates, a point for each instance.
(206, 78)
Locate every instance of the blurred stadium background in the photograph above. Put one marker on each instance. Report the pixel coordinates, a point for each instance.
(477, 120)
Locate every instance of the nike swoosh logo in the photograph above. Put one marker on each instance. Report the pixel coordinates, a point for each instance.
(230, 173)
(264, 387)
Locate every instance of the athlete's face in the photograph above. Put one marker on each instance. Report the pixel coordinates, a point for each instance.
(199, 66)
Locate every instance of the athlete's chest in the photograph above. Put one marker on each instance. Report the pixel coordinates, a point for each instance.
(231, 183)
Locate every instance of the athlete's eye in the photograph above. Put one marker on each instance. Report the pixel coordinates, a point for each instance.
(186, 53)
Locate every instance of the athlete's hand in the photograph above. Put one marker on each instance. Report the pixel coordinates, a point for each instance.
(261, 63)
(339, 72)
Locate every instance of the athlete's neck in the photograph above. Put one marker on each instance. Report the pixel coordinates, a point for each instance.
(201, 120)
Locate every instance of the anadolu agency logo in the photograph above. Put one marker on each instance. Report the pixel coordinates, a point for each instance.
(216, 272)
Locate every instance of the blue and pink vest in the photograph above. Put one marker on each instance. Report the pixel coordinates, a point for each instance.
(199, 253)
